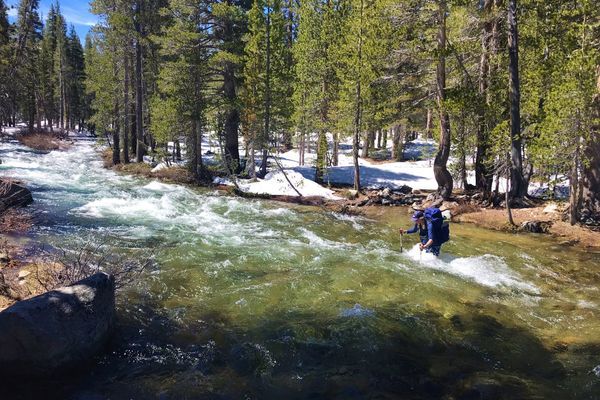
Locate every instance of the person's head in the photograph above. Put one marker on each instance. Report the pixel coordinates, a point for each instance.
(418, 216)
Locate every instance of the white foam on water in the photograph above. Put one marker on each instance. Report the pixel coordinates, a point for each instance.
(153, 208)
(278, 212)
(487, 270)
(586, 304)
(316, 240)
(357, 311)
(354, 220)
(157, 186)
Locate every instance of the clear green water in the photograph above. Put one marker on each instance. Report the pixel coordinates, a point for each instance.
(261, 300)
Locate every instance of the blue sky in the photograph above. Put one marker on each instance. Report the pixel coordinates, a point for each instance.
(75, 12)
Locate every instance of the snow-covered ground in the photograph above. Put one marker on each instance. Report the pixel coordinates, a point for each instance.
(275, 183)
(416, 172)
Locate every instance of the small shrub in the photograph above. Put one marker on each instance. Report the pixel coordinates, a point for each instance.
(174, 174)
(142, 169)
(44, 141)
(107, 158)
(63, 267)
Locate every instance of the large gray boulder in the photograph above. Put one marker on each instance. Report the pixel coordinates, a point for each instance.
(13, 195)
(57, 330)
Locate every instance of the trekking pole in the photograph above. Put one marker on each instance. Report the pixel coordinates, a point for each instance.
(401, 242)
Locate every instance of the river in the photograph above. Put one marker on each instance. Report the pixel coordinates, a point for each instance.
(253, 299)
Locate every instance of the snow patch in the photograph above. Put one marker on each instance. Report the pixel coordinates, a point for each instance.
(275, 183)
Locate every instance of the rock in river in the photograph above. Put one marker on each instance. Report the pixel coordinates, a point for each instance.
(59, 329)
(13, 195)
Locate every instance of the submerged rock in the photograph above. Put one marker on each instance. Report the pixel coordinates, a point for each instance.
(357, 311)
(59, 329)
(536, 226)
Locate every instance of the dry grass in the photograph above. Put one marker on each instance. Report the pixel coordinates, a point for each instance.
(15, 221)
(172, 175)
(44, 141)
(465, 208)
(141, 169)
(175, 175)
(5, 185)
(497, 219)
(107, 158)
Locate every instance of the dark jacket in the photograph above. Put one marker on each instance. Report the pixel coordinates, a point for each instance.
(425, 233)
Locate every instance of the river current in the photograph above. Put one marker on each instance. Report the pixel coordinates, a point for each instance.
(253, 299)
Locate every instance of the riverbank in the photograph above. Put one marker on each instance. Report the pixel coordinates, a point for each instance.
(550, 215)
(547, 215)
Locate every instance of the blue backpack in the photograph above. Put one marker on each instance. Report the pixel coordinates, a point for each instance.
(440, 228)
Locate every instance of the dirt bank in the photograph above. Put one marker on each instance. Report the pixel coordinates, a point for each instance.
(548, 214)
(45, 141)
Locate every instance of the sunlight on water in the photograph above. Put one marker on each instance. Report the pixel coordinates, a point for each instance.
(268, 300)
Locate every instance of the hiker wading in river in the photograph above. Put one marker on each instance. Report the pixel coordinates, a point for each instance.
(433, 230)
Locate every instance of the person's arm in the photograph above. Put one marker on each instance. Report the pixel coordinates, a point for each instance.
(429, 235)
(414, 229)
(427, 245)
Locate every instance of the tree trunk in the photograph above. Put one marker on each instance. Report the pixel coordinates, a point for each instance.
(574, 191)
(126, 110)
(116, 154)
(440, 170)
(358, 110)
(139, 103)
(133, 129)
(429, 126)
(366, 142)
(302, 149)
(267, 133)
(511, 221)
(462, 150)
(518, 189)
(321, 157)
(335, 157)
(590, 182)
(177, 150)
(384, 139)
(232, 118)
(251, 164)
(38, 112)
(198, 144)
(193, 146)
(399, 136)
(483, 178)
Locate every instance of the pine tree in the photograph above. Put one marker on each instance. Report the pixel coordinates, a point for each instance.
(180, 103)
(4, 65)
(228, 18)
(24, 69)
(267, 76)
(75, 80)
(60, 69)
(363, 57)
(317, 85)
(46, 67)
